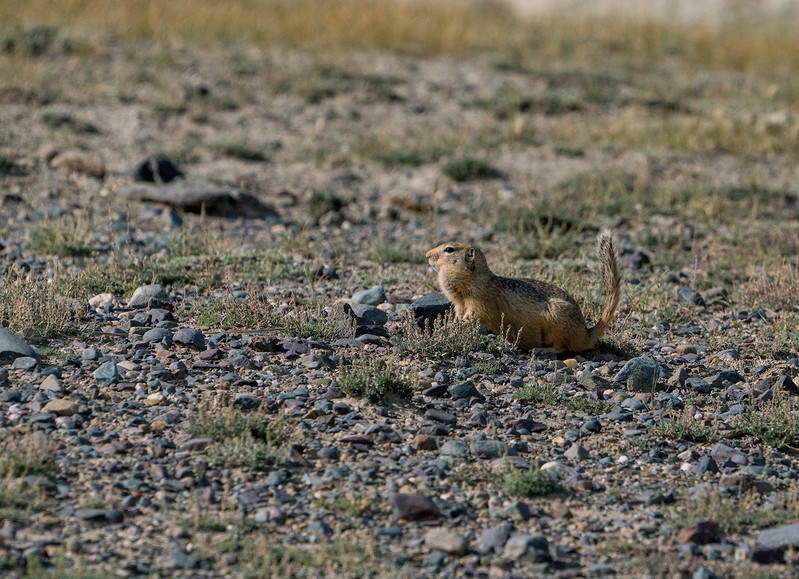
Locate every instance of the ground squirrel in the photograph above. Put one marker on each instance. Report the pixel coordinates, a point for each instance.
(539, 314)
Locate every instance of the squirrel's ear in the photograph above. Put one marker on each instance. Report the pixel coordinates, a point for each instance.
(470, 254)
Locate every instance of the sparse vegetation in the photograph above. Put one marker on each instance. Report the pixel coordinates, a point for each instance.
(26, 458)
(69, 235)
(226, 310)
(735, 515)
(775, 424)
(469, 168)
(49, 307)
(369, 378)
(375, 130)
(527, 483)
(237, 439)
(446, 336)
(684, 427)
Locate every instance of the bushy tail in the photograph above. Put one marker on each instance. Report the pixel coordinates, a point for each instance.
(611, 284)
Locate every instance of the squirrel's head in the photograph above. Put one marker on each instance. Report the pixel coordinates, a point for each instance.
(457, 257)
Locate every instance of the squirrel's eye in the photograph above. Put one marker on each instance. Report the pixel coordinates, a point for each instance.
(449, 249)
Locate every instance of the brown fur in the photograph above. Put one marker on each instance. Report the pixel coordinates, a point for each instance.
(539, 314)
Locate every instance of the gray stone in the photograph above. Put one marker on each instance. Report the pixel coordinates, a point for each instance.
(183, 560)
(189, 337)
(107, 373)
(442, 539)
(698, 384)
(440, 416)
(196, 196)
(10, 395)
(633, 404)
(51, 384)
(618, 414)
(489, 448)
(320, 529)
(276, 477)
(412, 507)
(143, 294)
(99, 515)
(782, 536)
(13, 347)
(373, 296)
(639, 374)
(518, 511)
(527, 548)
(428, 308)
(26, 363)
(465, 390)
(706, 464)
(577, 451)
(687, 295)
(369, 315)
(456, 448)
(156, 335)
(493, 539)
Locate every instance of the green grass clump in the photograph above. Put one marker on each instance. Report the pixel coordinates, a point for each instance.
(539, 395)
(405, 156)
(314, 321)
(66, 236)
(322, 202)
(396, 252)
(446, 336)
(527, 483)
(370, 378)
(776, 424)
(49, 307)
(242, 151)
(468, 169)
(684, 427)
(57, 119)
(737, 514)
(237, 439)
(26, 458)
(226, 311)
(10, 167)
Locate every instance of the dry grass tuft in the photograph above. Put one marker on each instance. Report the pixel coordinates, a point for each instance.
(766, 46)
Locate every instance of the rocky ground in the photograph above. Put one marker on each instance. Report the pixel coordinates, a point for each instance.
(222, 375)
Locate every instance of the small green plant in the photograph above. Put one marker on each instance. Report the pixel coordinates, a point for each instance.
(314, 321)
(527, 483)
(66, 236)
(684, 427)
(370, 378)
(9, 166)
(57, 119)
(395, 252)
(17, 501)
(776, 424)
(782, 337)
(736, 514)
(241, 150)
(22, 458)
(344, 557)
(539, 395)
(405, 156)
(227, 311)
(446, 336)
(49, 307)
(351, 504)
(237, 439)
(585, 405)
(322, 202)
(469, 169)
